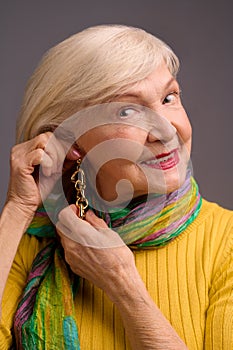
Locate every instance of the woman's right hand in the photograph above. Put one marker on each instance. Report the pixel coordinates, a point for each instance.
(23, 188)
(23, 195)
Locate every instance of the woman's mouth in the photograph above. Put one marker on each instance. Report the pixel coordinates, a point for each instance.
(163, 161)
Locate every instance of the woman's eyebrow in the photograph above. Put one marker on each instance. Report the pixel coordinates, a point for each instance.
(139, 93)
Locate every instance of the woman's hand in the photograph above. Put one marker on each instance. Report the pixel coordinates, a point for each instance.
(98, 254)
(23, 195)
(94, 251)
(24, 175)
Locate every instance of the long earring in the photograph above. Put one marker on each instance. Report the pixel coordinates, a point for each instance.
(79, 180)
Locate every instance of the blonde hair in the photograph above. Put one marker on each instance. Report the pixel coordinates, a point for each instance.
(88, 68)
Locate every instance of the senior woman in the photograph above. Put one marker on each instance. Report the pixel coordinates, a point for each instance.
(157, 272)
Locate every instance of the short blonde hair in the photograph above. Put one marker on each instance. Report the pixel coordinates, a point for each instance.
(86, 69)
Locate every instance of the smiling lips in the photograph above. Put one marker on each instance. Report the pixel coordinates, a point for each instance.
(163, 161)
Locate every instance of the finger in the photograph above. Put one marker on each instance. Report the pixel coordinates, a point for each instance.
(79, 231)
(56, 153)
(26, 156)
(69, 218)
(26, 163)
(94, 220)
(74, 208)
(84, 233)
(88, 236)
(37, 157)
(47, 165)
(38, 142)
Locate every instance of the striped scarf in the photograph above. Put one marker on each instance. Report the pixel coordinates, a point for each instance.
(45, 318)
(155, 221)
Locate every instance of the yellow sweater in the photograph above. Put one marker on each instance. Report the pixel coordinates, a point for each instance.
(190, 279)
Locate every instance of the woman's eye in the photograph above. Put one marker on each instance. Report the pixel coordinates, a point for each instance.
(170, 98)
(128, 112)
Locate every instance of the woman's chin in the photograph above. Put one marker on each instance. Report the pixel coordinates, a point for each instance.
(173, 183)
(164, 182)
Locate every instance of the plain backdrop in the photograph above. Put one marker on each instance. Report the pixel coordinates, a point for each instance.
(200, 32)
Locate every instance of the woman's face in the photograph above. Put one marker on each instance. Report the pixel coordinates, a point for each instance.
(154, 160)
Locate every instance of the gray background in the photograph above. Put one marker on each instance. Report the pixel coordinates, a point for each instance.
(200, 32)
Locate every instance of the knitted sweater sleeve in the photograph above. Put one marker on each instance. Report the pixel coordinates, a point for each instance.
(27, 251)
(219, 317)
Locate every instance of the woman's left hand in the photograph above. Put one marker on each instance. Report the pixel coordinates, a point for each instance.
(98, 254)
(94, 251)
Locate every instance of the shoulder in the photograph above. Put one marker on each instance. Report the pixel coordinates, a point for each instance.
(215, 218)
(215, 227)
(215, 209)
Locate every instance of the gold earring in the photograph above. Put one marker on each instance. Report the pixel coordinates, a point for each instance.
(79, 180)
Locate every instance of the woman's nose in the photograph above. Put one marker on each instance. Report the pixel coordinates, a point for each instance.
(160, 128)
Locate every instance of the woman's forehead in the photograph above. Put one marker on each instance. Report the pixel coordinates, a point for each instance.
(157, 81)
